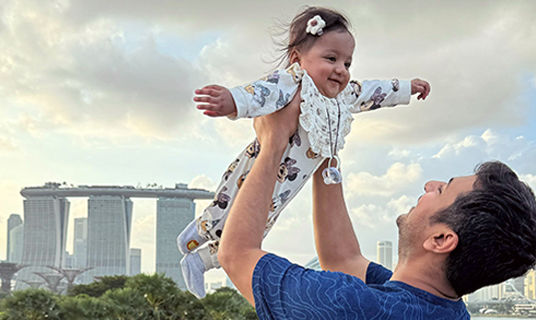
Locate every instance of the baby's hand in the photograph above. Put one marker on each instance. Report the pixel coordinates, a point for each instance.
(420, 86)
(216, 100)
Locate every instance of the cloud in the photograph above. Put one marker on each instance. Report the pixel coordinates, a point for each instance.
(396, 177)
(6, 144)
(202, 182)
(98, 78)
(530, 179)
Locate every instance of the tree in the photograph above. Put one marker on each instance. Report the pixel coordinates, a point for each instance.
(99, 287)
(166, 300)
(127, 304)
(227, 304)
(31, 304)
(188, 307)
(84, 307)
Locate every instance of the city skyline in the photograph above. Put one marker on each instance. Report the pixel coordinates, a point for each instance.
(100, 93)
(102, 240)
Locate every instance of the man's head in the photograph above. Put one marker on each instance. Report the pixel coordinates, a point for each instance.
(488, 222)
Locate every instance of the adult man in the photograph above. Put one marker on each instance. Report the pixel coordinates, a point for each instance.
(461, 236)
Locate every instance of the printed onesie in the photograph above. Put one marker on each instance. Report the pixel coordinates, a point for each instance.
(323, 124)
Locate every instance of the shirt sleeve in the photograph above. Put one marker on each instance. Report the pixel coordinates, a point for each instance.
(283, 290)
(265, 95)
(377, 274)
(375, 94)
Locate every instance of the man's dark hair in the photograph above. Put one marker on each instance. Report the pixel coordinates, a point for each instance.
(496, 227)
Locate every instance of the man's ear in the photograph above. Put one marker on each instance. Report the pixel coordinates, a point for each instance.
(295, 56)
(444, 240)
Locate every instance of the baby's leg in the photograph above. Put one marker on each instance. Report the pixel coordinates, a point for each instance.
(203, 229)
(297, 167)
(195, 264)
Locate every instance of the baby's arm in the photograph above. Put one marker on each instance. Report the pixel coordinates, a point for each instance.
(267, 94)
(259, 98)
(376, 94)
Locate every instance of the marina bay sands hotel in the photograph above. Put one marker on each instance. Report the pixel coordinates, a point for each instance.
(109, 221)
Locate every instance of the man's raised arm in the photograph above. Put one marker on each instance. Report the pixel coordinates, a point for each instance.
(240, 246)
(336, 243)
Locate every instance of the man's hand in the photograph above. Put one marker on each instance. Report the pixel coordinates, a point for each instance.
(273, 130)
(217, 101)
(420, 86)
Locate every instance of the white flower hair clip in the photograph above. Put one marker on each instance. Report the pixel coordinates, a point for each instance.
(315, 26)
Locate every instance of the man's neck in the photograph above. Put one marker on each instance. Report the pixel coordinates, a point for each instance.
(424, 277)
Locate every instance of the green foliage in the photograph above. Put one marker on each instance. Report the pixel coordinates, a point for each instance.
(127, 304)
(3, 295)
(140, 297)
(227, 304)
(84, 307)
(99, 287)
(166, 301)
(31, 304)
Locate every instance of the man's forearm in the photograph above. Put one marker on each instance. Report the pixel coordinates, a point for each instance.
(336, 243)
(240, 246)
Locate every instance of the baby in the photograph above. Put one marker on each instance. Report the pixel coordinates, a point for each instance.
(319, 56)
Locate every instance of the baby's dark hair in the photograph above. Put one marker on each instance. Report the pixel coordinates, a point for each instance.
(300, 40)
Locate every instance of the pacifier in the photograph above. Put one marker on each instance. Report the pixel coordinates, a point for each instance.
(332, 175)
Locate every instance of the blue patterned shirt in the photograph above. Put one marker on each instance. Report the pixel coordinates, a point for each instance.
(283, 290)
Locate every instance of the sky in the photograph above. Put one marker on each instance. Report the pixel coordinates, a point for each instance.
(100, 92)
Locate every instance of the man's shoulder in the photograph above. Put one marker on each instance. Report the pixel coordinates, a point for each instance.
(281, 287)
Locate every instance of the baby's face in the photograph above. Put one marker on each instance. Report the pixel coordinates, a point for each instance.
(328, 62)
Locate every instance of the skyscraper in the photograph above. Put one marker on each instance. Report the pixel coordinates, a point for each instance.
(80, 242)
(135, 262)
(108, 239)
(45, 232)
(172, 216)
(13, 221)
(385, 254)
(16, 236)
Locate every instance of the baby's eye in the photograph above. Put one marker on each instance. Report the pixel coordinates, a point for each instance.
(331, 59)
(347, 65)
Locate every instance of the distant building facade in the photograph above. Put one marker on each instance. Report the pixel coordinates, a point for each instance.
(16, 236)
(108, 240)
(102, 240)
(80, 242)
(135, 262)
(172, 216)
(45, 235)
(530, 285)
(13, 221)
(493, 292)
(385, 254)
(69, 261)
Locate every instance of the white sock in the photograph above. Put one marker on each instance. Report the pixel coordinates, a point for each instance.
(193, 271)
(195, 264)
(189, 239)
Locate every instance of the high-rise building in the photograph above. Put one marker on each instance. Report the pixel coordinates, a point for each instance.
(493, 292)
(108, 239)
(172, 216)
(385, 254)
(13, 221)
(45, 235)
(69, 261)
(530, 285)
(135, 262)
(80, 242)
(16, 236)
